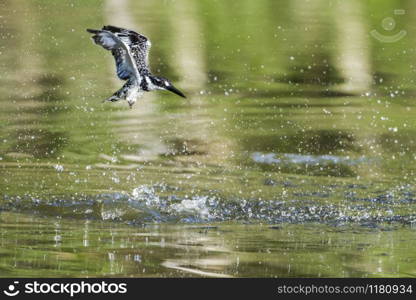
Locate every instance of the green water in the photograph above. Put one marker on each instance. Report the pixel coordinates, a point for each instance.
(293, 154)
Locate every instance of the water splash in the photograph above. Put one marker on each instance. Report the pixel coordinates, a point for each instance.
(293, 158)
(158, 204)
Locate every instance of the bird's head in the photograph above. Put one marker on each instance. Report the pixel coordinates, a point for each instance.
(162, 83)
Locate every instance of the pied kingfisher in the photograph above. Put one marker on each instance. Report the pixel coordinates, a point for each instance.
(131, 50)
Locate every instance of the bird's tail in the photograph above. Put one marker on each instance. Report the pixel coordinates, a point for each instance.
(113, 98)
(121, 94)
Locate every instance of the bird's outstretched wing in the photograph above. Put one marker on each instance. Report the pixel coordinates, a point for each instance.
(121, 49)
(139, 44)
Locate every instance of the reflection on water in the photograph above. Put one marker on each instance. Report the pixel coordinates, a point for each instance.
(289, 121)
(67, 248)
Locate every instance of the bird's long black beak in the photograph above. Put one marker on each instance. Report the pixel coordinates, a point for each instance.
(175, 90)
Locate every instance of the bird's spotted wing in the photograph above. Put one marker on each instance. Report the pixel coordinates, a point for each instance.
(139, 44)
(125, 61)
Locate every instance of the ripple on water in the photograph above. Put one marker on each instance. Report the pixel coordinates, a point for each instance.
(311, 164)
(293, 158)
(151, 204)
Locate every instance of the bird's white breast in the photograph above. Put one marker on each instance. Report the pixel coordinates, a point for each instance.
(150, 85)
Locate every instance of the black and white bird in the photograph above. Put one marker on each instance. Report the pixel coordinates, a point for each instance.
(131, 50)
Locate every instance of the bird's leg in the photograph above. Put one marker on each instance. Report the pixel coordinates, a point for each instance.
(132, 94)
(131, 98)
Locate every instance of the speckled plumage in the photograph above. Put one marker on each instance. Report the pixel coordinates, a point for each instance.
(131, 51)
